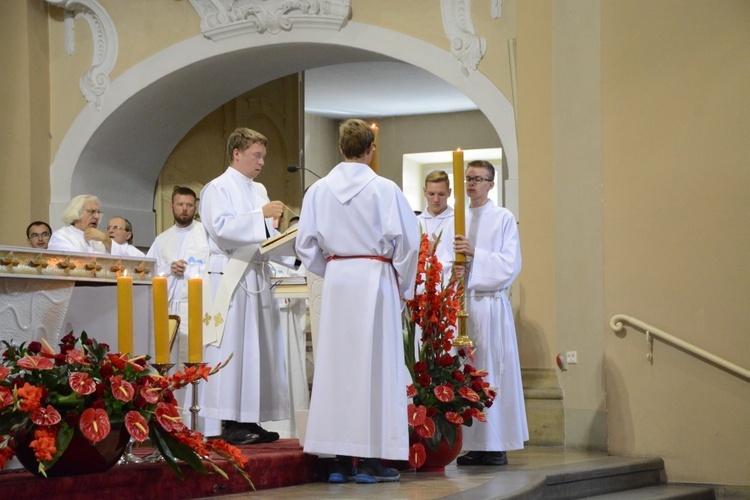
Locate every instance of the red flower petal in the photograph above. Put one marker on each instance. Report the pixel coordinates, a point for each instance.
(417, 414)
(426, 429)
(81, 383)
(122, 389)
(3, 372)
(454, 418)
(137, 426)
(417, 455)
(35, 363)
(6, 398)
(468, 394)
(94, 424)
(46, 416)
(411, 391)
(74, 356)
(444, 393)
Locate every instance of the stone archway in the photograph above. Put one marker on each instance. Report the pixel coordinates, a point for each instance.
(118, 151)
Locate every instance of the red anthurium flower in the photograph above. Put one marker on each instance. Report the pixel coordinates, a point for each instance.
(411, 391)
(469, 394)
(417, 455)
(46, 416)
(122, 389)
(6, 398)
(81, 383)
(444, 393)
(3, 372)
(168, 417)
(417, 414)
(94, 424)
(137, 426)
(35, 363)
(74, 356)
(118, 361)
(150, 393)
(426, 429)
(454, 418)
(480, 416)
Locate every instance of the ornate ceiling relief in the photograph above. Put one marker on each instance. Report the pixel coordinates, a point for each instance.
(466, 46)
(96, 81)
(225, 18)
(496, 9)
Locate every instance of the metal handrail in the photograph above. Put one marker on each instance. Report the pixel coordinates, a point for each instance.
(617, 323)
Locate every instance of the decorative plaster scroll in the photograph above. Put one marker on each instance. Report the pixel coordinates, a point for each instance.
(225, 18)
(496, 9)
(96, 81)
(466, 46)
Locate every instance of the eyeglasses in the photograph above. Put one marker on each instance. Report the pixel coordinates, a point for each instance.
(109, 228)
(476, 180)
(36, 236)
(91, 211)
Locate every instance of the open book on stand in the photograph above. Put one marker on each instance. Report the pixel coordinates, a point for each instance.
(281, 244)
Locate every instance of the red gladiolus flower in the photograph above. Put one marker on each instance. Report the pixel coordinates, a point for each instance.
(3, 372)
(82, 383)
(424, 379)
(122, 389)
(417, 455)
(417, 414)
(444, 393)
(46, 416)
(94, 424)
(35, 363)
(6, 453)
(44, 444)
(469, 394)
(137, 426)
(454, 418)
(6, 398)
(426, 429)
(411, 391)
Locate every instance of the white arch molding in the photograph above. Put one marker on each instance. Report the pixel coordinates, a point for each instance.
(117, 152)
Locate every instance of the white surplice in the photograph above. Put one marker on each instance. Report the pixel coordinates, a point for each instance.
(496, 263)
(71, 239)
(132, 250)
(358, 405)
(442, 226)
(253, 386)
(180, 243)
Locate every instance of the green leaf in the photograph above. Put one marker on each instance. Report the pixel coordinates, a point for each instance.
(156, 436)
(64, 436)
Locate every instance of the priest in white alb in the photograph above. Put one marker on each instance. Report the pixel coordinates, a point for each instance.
(241, 315)
(358, 231)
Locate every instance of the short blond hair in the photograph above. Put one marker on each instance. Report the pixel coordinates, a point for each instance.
(437, 176)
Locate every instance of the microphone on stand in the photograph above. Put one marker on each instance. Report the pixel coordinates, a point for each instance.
(295, 168)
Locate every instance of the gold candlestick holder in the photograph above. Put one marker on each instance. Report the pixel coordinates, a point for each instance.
(156, 456)
(463, 339)
(194, 407)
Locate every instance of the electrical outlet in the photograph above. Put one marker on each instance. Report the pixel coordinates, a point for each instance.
(572, 357)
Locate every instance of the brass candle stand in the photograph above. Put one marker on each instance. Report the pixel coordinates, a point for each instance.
(462, 339)
(156, 456)
(194, 407)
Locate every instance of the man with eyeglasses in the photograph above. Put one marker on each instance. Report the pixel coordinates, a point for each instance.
(238, 216)
(121, 231)
(38, 234)
(493, 246)
(80, 234)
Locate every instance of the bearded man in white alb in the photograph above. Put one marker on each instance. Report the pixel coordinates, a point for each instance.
(180, 252)
(492, 244)
(80, 234)
(244, 316)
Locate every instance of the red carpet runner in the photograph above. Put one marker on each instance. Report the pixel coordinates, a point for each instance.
(269, 466)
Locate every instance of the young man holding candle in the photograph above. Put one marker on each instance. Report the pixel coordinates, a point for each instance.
(493, 247)
(245, 323)
(358, 231)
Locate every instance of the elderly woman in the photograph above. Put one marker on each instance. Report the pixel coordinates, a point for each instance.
(81, 233)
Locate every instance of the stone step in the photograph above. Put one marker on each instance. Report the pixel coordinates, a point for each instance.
(662, 492)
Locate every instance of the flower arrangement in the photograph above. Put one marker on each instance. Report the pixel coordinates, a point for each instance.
(86, 388)
(446, 391)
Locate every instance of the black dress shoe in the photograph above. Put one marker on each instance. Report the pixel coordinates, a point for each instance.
(264, 436)
(471, 458)
(238, 434)
(495, 458)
